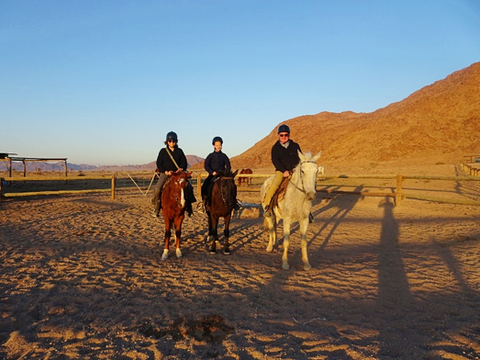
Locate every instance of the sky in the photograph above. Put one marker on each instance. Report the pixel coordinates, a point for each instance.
(102, 82)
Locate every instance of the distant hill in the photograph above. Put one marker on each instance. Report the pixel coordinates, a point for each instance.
(440, 122)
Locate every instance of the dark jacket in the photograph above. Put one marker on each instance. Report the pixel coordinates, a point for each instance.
(165, 163)
(285, 158)
(217, 161)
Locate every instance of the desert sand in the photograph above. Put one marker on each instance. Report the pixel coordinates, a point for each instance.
(81, 278)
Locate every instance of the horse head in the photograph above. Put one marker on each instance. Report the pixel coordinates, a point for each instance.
(307, 171)
(177, 183)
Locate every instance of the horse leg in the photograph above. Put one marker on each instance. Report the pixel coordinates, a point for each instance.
(270, 224)
(178, 234)
(286, 244)
(210, 227)
(214, 235)
(226, 233)
(303, 230)
(168, 234)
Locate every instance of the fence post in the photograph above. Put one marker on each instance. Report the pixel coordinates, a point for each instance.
(398, 190)
(113, 186)
(199, 185)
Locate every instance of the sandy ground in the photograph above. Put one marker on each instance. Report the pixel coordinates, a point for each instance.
(81, 278)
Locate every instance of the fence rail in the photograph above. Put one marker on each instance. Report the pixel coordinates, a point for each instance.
(397, 192)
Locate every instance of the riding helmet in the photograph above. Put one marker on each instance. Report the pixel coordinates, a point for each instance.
(283, 128)
(172, 136)
(217, 138)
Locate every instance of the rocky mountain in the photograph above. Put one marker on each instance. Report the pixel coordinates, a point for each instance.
(440, 122)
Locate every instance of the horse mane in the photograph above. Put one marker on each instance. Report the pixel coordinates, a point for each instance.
(227, 173)
(228, 186)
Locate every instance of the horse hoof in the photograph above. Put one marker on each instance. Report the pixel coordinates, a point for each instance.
(165, 254)
(226, 252)
(285, 266)
(307, 267)
(178, 252)
(213, 251)
(269, 248)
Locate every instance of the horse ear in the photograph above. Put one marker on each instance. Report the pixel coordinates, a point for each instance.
(301, 156)
(235, 173)
(316, 157)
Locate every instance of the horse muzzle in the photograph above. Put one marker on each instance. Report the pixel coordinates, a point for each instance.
(311, 195)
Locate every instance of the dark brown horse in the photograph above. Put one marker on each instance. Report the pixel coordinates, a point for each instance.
(173, 209)
(221, 203)
(245, 179)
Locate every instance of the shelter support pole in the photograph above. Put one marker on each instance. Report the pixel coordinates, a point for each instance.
(113, 186)
(398, 190)
(1, 189)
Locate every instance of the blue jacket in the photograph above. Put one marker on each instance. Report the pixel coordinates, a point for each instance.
(217, 161)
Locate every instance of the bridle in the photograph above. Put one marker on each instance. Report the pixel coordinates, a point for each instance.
(300, 175)
(221, 188)
(177, 184)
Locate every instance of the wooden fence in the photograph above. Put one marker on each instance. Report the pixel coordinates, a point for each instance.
(396, 191)
(469, 169)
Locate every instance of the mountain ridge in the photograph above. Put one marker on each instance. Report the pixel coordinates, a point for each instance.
(441, 120)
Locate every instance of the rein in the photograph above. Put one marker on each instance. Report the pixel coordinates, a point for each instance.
(173, 195)
(221, 188)
(301, 179)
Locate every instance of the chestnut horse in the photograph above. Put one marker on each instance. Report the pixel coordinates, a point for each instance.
(244, 179)
(173, 209)
(219, 204)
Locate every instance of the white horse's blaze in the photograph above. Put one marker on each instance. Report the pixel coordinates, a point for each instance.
(295, 206)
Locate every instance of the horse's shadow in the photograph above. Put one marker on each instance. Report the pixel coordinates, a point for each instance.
(343, 209)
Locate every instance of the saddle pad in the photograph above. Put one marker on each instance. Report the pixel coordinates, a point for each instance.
(280, 193)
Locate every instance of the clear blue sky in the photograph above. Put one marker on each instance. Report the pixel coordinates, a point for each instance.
(102, 82)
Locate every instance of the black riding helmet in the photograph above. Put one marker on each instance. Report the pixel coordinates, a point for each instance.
(172, 136)
(217, 138)
(283, 128)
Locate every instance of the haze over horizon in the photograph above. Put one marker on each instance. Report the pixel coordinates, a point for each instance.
(101, 83)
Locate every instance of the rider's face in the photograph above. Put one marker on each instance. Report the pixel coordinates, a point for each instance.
(217, 146)
(283, 137)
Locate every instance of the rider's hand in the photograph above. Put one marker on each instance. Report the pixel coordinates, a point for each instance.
(286, 173)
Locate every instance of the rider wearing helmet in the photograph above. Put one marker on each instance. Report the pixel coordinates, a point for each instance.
(214, 163)
(170, 159)
(285, 158)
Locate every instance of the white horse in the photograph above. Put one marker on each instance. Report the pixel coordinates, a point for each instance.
(295, 206)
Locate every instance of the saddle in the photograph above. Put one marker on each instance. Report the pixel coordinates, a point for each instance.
(280, 193)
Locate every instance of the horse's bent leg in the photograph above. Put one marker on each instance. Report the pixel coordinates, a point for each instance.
(214, 235)
(286, 244)
(303, 232)
(270, 224)
(168, 234)
(226, 233)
